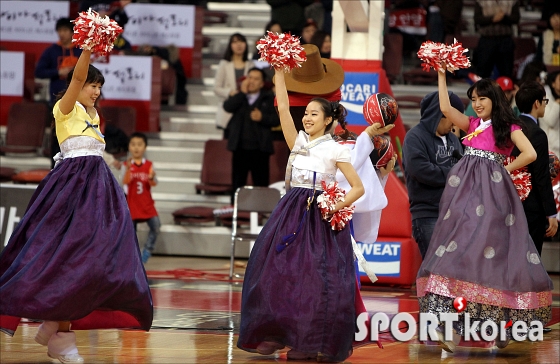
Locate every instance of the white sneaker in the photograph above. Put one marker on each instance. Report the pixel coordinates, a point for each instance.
(70, 358)
(46, 330)
(62, 346)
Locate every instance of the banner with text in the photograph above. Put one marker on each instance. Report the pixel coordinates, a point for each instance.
(11, 73)
(13, 203)
(31, 21)
(127, 78)
(160, 25)
(355, 90)
(384, 258)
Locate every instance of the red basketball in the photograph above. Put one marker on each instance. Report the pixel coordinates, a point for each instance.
(382, 151)
(381, 108)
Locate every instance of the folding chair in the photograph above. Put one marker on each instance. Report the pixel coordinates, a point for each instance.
(250, 199)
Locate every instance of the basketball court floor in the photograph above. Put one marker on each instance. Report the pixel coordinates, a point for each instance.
(196, 320)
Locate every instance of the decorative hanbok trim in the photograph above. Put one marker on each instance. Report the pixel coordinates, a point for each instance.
(79, 146)
(493, 156)
(451, 287)
(479, 129)
(304, 150)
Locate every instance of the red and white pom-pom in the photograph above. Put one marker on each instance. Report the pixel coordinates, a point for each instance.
(282, 51)
(95, 33)
(327, 201)
(521, 179)
(434, 54)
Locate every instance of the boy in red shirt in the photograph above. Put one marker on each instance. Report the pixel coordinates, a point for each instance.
(139, 177)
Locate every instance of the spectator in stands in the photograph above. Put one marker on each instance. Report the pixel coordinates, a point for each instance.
(233, 66)
(509, 88)
(550, 122)
(290, 14)
(494, 22)
(58, 59)
(271, 26)
(429, 152)
(548, 49)
(307, 32)
(323, 41)
(444, 18)
(138, 179)
(533, 71)
(103, 7)
(170, 54)
(250, 137)
(539, 206)
(121, 45)
(55, 64)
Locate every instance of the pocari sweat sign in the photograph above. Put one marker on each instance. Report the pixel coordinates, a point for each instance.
(383, 258)
(355, 90)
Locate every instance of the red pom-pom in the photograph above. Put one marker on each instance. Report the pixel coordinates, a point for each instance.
(95, 33)
(434, 54)
(521, 179)
(327, 201)
(282, 51)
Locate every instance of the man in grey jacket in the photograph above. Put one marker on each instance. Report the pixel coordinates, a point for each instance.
(429, 152)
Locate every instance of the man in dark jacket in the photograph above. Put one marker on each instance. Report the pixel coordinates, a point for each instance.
(429, 152)
(249, 134)
(539, 206)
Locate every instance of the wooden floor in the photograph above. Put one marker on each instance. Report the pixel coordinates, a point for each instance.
(197, 316)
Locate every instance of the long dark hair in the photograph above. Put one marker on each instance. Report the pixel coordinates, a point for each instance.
(502, 114)
(229, 53)
(337, 112)
(94, 76)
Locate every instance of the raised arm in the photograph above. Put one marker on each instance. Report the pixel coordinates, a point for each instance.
(76, 84)
(288, 127)
(455, 116)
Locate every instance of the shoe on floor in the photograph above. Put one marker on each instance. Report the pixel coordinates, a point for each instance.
(70, 358)
(62, 346)
(448, 346)
(268, 347)
(46, 330)
(502, 343)
(298, 355)
(146, 254)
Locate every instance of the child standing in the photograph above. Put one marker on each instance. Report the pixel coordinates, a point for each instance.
(73, 260)
(299, 286)
(481, 248)
(139, 177)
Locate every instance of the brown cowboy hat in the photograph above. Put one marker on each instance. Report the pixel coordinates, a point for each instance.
(316, 76)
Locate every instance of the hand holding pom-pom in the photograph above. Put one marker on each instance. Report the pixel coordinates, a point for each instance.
(281, 51)
(327, 202)
(440, 56)
(521, 179)
(95, 33)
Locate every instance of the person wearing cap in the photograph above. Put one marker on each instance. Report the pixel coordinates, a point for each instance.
(539, 206)
(429, 152)
(509, 88)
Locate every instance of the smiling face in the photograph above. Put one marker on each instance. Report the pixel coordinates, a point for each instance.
(314, 121)
(89, 94)
(482, 105)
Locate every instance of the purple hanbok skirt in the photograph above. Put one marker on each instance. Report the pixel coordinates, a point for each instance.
(481, 249)
(303, 296)
(74, 255)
